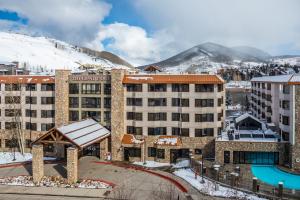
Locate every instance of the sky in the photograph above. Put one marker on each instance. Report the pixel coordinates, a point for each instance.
(147, 31)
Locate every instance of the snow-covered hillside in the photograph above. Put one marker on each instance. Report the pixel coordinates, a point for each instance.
(45, 54)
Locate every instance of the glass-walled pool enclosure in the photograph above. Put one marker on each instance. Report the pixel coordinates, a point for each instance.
(253, 157)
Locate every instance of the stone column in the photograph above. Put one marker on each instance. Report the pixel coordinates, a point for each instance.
(37, 163)
(143, 156)
(117, 113)
(103, 148)
(254, 184)
(62, 97)
(72, 164)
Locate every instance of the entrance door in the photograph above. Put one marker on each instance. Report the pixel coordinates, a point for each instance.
(173, 155)
(126, 154)
(92, 150)
(226, 156)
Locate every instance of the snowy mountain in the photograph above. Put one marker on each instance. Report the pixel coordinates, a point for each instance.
(46, 54)
(209, 57)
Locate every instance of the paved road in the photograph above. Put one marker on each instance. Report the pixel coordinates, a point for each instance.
(130, 183)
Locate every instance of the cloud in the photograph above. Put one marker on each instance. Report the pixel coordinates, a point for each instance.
(132, 42)
(75, 21)
(266, 24)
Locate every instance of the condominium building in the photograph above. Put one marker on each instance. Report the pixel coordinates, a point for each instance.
(27, 104)
(275, 99)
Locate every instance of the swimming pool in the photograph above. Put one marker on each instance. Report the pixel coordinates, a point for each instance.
(272, 175)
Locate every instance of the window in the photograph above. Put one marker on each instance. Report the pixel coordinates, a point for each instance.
(157, 131)
(107, 116)
(12, 99)
(30, 113)
(73, 115)
(90, 102)
(12, 87)
(204, 88)
(91, 114)
(30, 126)
(12, 112)
(11, 143)
(285, 136)
(180, 87)
(180, 102)
(47, 87)
(90, 88)
(185, 132)
(151, 152)
(157, 116)
(220, 101)
(209, 117)
(47, 127)
(30, 100)
(268, 86)
(134, 87)
(204, 102)
(157, 102)
(107, 89)
(135, 116)
(27, 143)
(47, 113)
(220, 115)
(248, 157)
(134, 102)
(73, 88)
(285, 104)
(198, 151)
(47, 100)
(160, 153)
(184, 117)
(285, 120)
(204, 132)
(107, 102)
(220, 88)
(12, 125)
(134, 152)
(285, 89)
(73, 102)
(157, 87)
(134, 130)
(31, 87)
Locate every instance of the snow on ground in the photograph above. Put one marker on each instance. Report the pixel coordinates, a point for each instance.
(53, 182)
(209, 187)
(181, 164)
(151, 164)
(42, 52)
(7, 157)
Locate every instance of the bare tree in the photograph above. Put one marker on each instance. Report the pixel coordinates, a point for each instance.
(165, 192)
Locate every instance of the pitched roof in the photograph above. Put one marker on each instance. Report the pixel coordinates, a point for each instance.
(84, 133)
(23, 79)
(172, 78)
(273, 79)
(246, 115)
(130, 139)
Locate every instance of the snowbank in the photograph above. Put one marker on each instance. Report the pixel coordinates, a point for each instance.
(7, 157)
(152, 164)
(209, 187)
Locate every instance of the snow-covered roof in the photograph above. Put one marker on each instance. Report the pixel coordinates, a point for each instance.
(84, 133)
(246, 115)
(273, 79)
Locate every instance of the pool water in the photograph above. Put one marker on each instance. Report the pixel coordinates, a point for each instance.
(272, 175)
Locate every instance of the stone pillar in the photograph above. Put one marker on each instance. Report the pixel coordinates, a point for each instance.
(143, 156)
(37, 163)
(295, 145)
(62, 97)
(117, 113)
(280, 189)
(103, 148)
(72, 164)
(254, 184)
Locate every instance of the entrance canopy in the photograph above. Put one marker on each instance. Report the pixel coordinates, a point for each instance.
(80, 134)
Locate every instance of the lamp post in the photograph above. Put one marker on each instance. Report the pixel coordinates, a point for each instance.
(202, 168)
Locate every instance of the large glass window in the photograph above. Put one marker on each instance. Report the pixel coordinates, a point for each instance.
(180, 87)
(157, 116)
(48, 87)
(151, 152)
(107, 88)
(157, 131)
(12, 87)
(47, 100)
(90, 88)
(31, 87)
(252, 157)
(209, 117)
(73, 102)
(134, 101)
(30, 113)
(180, 102)
(185, 132)
(157, 87)
(47, 127)
(204, 102)
(184, 117)
(138, 116)
(204, 132)
(134, 130)
(91, 114)
(73, 88)
(12, 99)
(73, 115)
(90, 102)
(30, 100)
(204, 88)
(134, 87)
(157, 102)
(107, 102)
(47, 113)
